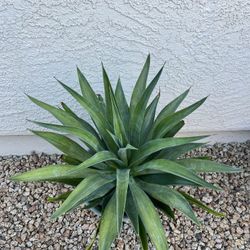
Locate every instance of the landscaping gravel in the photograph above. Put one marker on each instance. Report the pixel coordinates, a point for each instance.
(25, 213)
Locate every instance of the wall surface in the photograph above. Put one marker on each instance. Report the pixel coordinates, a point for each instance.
(206, 45)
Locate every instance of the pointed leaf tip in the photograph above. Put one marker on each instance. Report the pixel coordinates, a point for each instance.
(14, 178)
(55, 78)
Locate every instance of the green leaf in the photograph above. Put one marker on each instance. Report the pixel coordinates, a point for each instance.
(170, 197)
(102, 125)
(140, 85)
(143, 236)
(166, 179)
(87, 137)
(199, 165)
(97, 158)
(52, 173)
(164, 208)
(84, 189)
(86, 89)
(115, 139)
(149, 216)
(122, 180)
(174, 152)
(108, 227)
(70, 160)
(171, 107)
(83, 101)
(106, 199)
(122, 103)
(107, 90)
(67, 117)
(100, 192)
(69, 110)
(64, 144)
(199, 204)
(93, 203)
(80, 122)
(59, 114)
(155, 145)
(132, 212)
(123, 153)
(69, 181)
(60, 197)
(118, 124)
(95, 198)
(175, 169)
(149, 118)
(101, 101)
(138, 113)
(169, 121)
(172, 132)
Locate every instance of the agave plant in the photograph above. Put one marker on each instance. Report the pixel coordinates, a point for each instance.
(126, 163)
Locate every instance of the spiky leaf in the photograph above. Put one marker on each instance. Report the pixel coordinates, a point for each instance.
(169, 197)
(149, 216)
(175, 169)
(108, 227)
(199, 165)
(85, 188)
(122, 180)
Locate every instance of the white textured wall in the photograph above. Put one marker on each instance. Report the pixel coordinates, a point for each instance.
(205, 43)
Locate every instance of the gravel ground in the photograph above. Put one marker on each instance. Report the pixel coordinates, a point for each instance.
(24, 211)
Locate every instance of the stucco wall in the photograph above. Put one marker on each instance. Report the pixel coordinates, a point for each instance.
(206, 44)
